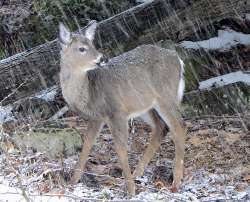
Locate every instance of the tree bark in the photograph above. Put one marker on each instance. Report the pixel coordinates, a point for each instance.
(26, 73)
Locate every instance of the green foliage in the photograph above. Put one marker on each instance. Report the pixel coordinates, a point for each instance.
(2, 54)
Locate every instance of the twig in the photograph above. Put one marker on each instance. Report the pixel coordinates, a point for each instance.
(15, 90)
(59, 114)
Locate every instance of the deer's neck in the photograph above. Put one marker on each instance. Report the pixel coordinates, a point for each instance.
(75, 87)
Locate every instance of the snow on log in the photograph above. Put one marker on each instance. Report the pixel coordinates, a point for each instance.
(225, 40)
(143, 1)
(248, 16)
(48, 94)
(224, 80)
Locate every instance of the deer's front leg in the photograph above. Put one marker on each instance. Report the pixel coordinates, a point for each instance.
(119, 129)
(88, 141)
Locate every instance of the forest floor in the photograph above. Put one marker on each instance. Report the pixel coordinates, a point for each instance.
(217, 167)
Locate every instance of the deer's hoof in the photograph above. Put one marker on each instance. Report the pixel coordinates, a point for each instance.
(74, 180)
(174, 188)
(138, 173)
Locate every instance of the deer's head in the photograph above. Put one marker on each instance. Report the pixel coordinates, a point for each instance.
(78, 50)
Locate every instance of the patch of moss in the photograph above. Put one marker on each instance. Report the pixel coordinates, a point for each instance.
(54, 142)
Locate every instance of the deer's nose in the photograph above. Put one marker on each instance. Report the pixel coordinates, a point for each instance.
(102, 61)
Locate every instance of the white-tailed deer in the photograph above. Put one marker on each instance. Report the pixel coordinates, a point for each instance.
(146, 79)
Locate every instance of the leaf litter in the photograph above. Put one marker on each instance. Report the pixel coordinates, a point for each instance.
(217, 167)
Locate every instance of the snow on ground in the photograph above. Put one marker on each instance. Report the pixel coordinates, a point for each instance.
(5, 114)
(38, 174)
(202, 187)
(13, 194)
(225, 40)
(225, 80)
(217, 168)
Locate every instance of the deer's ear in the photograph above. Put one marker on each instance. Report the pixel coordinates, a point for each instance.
(90, 30)
(64, 34)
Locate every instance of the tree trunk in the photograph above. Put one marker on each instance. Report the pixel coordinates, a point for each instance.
(36, 69)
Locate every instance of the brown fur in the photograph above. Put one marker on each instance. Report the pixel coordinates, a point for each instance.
(145, 79)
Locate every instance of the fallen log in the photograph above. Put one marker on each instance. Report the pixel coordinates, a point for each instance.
(37, 69)
(219, 81)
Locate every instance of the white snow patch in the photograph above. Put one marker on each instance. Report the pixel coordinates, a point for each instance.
(225, 40)
(47, 94)
(10, 193)
(225, 80)
(143, 1)
(6, 114)
(15, 195)
(199, 185)
(248, 16)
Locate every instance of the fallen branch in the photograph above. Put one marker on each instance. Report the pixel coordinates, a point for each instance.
(224, 80)
(60, 113)
(225, 41)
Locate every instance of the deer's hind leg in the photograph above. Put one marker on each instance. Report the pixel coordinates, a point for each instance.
(170, 114)
(119, 130)
(88, 141)
(160, 130)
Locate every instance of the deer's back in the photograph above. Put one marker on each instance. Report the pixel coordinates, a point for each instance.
(133, 80)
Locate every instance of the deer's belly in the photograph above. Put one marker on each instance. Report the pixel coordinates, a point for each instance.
(140, 109)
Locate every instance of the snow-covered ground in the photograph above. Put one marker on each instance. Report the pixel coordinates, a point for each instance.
(216, 168)
(5, 114)
(202, 187)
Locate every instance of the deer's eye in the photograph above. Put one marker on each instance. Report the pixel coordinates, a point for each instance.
(82, 49)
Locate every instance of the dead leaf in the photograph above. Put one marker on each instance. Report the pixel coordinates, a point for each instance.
(99, 169)
(159, 184)
(232, 137)
(44, 187)
(196, 141)
(246, 177)
(241, 187)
